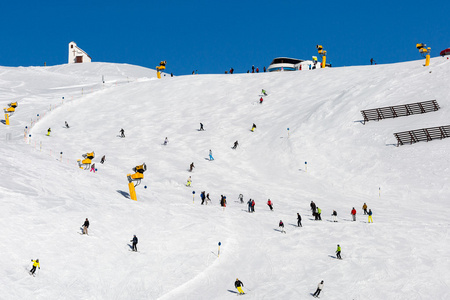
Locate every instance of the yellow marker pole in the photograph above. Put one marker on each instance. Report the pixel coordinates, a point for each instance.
(132, 190)
(218, 252)
(427, 60)
(324, 59)
(6, 119)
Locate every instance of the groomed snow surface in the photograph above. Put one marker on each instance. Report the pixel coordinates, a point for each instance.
(45, 197)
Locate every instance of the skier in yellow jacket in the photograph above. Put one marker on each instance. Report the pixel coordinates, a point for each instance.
(35, 264)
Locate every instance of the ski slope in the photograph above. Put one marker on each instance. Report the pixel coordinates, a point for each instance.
(45, 196)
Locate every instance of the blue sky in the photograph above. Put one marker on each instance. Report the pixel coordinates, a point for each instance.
(212, 36)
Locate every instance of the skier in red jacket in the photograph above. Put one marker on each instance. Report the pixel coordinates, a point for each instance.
(354, 214)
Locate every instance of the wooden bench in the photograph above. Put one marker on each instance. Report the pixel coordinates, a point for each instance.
(387, 112)
(422, 135)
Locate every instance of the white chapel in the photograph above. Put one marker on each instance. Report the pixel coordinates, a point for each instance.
(77, 55)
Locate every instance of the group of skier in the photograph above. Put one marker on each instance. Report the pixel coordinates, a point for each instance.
(316, 212)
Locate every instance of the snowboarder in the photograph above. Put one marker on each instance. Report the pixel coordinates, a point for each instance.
(334, 216)
(210, 155)
(264, 92)
(249, 205)
(281, 225)
(201, 127)
(319, 289)
(166, 141)
(85, 226)
(189, 181)
(49, 131)
(92, 168)
(261, 100)
(370, 216)
(269, 203)
(235, 145)
(353, 213)
(241, 198)
(191, 167)
(299, 220)
(135, 241)
(238, 284)
(338, 252)
(35, 264)
(253, 127)
(122, 133)
(364, 207)
(67, 125)
(202, 196)
(313, 208)
(318, 213)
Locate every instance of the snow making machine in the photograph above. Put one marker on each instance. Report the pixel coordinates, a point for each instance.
(86, 162)
(161, 67)
(11, 108)
(137, 176)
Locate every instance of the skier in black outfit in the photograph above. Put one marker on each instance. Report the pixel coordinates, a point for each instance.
(122, 133)
(67, 125)
(313, 208)
(135, 241)
(86, 226)
(299, 220)
(191, 167)
(238, 284)
(201, 127)
(103, 159)
(235, 145)
(202, 196)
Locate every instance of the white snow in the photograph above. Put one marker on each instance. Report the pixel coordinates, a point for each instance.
(45, 197)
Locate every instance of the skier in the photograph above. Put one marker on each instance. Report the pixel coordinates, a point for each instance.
(35, 264)
(241, 198)
(257, 70)
(253, 69)
(319, 212)
(319, 288)
(48, 131)
(201, 127)
(364, 207)
(189, 181)
(253, 127)
(67, 125)
(264, 69)
(353, 213)
(253, 205)
(338, 252)
(269, 203)
(122, 133)
(313, 208)
(261, 100)
(210, 155)
(224, 201)
(191, 167)
(135, 241)
(281, 225)
(264, 92)
(166, 141)
(231, 70)
(202, 196)
(103, 159)
(334, 216)
(249, 205)
(299, 220)
(238, 284)
(208, 199)
(92, 168)
(370, 216)
(85, 226)
(235, 145)
(372, 61)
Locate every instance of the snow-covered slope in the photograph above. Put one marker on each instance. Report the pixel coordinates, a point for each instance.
(45, 197)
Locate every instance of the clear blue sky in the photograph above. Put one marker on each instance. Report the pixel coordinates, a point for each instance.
(212, 36)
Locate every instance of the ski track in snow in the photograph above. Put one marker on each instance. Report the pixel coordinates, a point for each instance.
(402, 255)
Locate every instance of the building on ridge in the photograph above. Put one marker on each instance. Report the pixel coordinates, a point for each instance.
(77, 55)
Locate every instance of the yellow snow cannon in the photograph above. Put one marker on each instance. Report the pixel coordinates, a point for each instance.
(322, 53)
(138, 175)
(86, 162)
(425, 52)
(162, 66)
